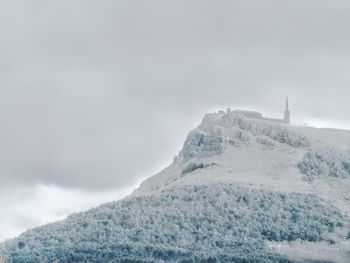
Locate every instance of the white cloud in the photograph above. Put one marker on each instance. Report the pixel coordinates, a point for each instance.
(28, 207)
(95, 93)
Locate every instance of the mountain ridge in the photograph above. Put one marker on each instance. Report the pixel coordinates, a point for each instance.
(239, 190)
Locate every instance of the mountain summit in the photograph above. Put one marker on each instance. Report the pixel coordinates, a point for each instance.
(240, 190)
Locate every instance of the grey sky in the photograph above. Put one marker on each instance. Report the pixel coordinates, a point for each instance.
(96, 94)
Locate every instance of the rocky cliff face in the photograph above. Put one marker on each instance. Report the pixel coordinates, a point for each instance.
(219, 130)
(240, 190)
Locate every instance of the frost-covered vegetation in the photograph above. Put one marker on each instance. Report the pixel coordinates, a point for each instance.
(182, 221)
(322, 162)
(198, 223)
(192, 166)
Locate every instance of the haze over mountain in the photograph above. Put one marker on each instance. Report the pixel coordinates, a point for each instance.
(240, 190)
(84, 82)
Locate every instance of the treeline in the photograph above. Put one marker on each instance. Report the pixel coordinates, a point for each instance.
(325, 162)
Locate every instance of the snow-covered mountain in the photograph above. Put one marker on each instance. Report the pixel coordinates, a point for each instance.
(240, 190)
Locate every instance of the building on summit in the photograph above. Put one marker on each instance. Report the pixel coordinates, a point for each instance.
(258, 115)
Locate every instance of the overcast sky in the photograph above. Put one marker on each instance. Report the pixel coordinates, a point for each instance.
(97, 95)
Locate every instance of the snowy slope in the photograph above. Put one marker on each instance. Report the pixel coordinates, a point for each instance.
(260, 154)
(240, 190)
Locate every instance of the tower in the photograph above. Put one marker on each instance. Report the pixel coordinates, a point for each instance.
(287, 113)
